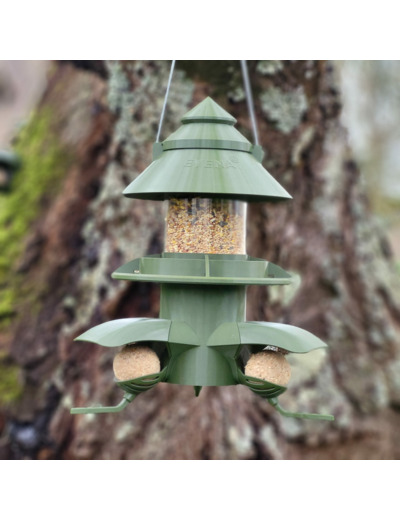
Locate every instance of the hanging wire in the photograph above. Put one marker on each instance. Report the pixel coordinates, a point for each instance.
(249, 98)
(165, 101)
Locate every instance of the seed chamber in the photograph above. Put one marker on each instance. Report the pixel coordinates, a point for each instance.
(207, 226)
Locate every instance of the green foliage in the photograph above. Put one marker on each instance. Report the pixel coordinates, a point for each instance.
(44, 162)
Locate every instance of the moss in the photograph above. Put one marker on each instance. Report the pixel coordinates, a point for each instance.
(44, 162)
(10, 385)
(6, 302)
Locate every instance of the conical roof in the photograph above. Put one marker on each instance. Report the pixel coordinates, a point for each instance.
(208, 111)
(207, 157)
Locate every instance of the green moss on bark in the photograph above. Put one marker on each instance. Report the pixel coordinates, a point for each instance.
(44, 163)
(10, 384)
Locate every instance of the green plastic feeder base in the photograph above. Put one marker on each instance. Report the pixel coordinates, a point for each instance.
(196, 268)
(202, 336)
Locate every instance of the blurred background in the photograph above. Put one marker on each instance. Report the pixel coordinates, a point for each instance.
(370, 96)
(83, 130)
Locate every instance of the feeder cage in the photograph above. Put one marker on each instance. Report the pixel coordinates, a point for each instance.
(206, 172)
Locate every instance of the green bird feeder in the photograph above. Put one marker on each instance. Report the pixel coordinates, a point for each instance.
(207, 172)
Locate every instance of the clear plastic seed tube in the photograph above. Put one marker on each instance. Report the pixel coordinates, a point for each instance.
(208, 226)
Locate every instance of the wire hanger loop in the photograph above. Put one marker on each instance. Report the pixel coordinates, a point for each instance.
(248, 93)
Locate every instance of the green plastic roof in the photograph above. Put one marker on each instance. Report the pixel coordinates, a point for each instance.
(120, 332)
(207, 157)
(288, 337)
(208, 110)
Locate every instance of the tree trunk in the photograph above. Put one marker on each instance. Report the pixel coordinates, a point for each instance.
(98, 125)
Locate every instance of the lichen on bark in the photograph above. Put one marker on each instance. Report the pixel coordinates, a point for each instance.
(284, 109)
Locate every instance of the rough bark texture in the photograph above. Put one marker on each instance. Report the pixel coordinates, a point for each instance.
(105, 119)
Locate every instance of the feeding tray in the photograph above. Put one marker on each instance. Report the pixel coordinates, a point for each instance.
(203, 269)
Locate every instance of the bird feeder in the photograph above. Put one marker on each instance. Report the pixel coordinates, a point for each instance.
(206, 172)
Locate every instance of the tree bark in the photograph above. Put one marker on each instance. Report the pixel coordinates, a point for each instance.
(105, 124)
